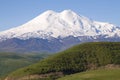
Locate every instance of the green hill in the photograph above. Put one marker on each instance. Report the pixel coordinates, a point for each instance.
(102, 74)
(12, 61)
(79, 58)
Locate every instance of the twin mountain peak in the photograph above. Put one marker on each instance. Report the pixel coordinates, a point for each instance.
(63, 29)
(63, 24)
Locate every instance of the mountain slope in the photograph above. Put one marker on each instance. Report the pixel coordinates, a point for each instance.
(76, 59)
(63, 29)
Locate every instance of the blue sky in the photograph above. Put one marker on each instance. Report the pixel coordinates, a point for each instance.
(17, 12)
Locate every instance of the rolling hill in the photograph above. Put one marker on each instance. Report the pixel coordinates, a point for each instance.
(86, 56)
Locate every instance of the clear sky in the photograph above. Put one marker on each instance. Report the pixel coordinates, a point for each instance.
(17, 12)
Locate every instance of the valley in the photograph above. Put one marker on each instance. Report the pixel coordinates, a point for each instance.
(12, 61)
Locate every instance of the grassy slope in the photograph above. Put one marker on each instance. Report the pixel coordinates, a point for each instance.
(12, 61)
(102, 74)
(76, 59)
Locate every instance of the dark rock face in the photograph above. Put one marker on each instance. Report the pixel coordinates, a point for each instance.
(44, 45)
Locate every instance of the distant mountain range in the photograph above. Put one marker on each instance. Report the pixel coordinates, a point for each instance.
(52, 32)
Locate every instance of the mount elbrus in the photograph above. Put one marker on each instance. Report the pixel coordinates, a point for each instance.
(52, 32)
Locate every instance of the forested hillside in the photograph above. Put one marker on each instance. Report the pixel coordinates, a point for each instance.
(79, 58)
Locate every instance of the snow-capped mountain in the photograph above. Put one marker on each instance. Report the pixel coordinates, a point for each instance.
(54, 27)
(63, 24)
